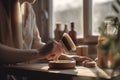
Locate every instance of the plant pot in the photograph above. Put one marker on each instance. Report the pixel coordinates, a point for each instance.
(105, 59)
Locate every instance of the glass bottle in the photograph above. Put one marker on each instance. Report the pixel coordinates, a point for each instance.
(65, 29)
(73, 33)
(58, 32)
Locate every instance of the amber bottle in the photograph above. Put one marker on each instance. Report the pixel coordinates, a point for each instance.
(73, 33)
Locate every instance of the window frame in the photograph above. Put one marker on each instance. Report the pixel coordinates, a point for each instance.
(87, 23)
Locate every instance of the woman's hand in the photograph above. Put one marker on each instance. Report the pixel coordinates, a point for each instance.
(52, 50)
(77, 58)
(80, 59)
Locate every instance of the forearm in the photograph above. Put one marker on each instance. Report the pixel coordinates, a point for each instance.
(11, 55)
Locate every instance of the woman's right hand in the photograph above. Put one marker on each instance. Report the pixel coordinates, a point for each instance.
(52, 50)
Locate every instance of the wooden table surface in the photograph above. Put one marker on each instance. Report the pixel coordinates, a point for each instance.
(79, 71)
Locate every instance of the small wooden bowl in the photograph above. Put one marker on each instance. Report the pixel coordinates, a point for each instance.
(62, 64)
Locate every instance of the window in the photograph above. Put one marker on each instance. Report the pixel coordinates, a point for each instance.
(95, 12)
(87, 15)
(101, 9)
(67, 11)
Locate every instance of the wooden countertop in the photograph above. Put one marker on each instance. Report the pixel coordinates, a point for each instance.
(79, 71)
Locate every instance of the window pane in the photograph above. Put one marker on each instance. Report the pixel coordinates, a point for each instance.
(101, 9)
(67, 11)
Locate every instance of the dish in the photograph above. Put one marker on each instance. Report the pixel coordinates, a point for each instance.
(62, 64)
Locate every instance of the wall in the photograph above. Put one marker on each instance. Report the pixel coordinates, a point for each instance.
(40, 6)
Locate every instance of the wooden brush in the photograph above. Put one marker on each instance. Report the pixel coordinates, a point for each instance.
(67, 43)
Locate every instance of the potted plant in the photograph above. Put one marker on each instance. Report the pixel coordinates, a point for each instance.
(108, 42)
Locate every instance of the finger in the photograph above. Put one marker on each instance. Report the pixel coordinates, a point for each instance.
(57, 57)
(87, 58)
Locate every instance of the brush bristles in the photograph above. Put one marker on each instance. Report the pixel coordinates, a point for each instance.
(68, 43)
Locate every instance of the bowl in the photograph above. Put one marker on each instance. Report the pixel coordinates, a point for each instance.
(62, 64)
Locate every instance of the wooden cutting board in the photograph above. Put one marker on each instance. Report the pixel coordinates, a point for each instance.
(62, 64)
